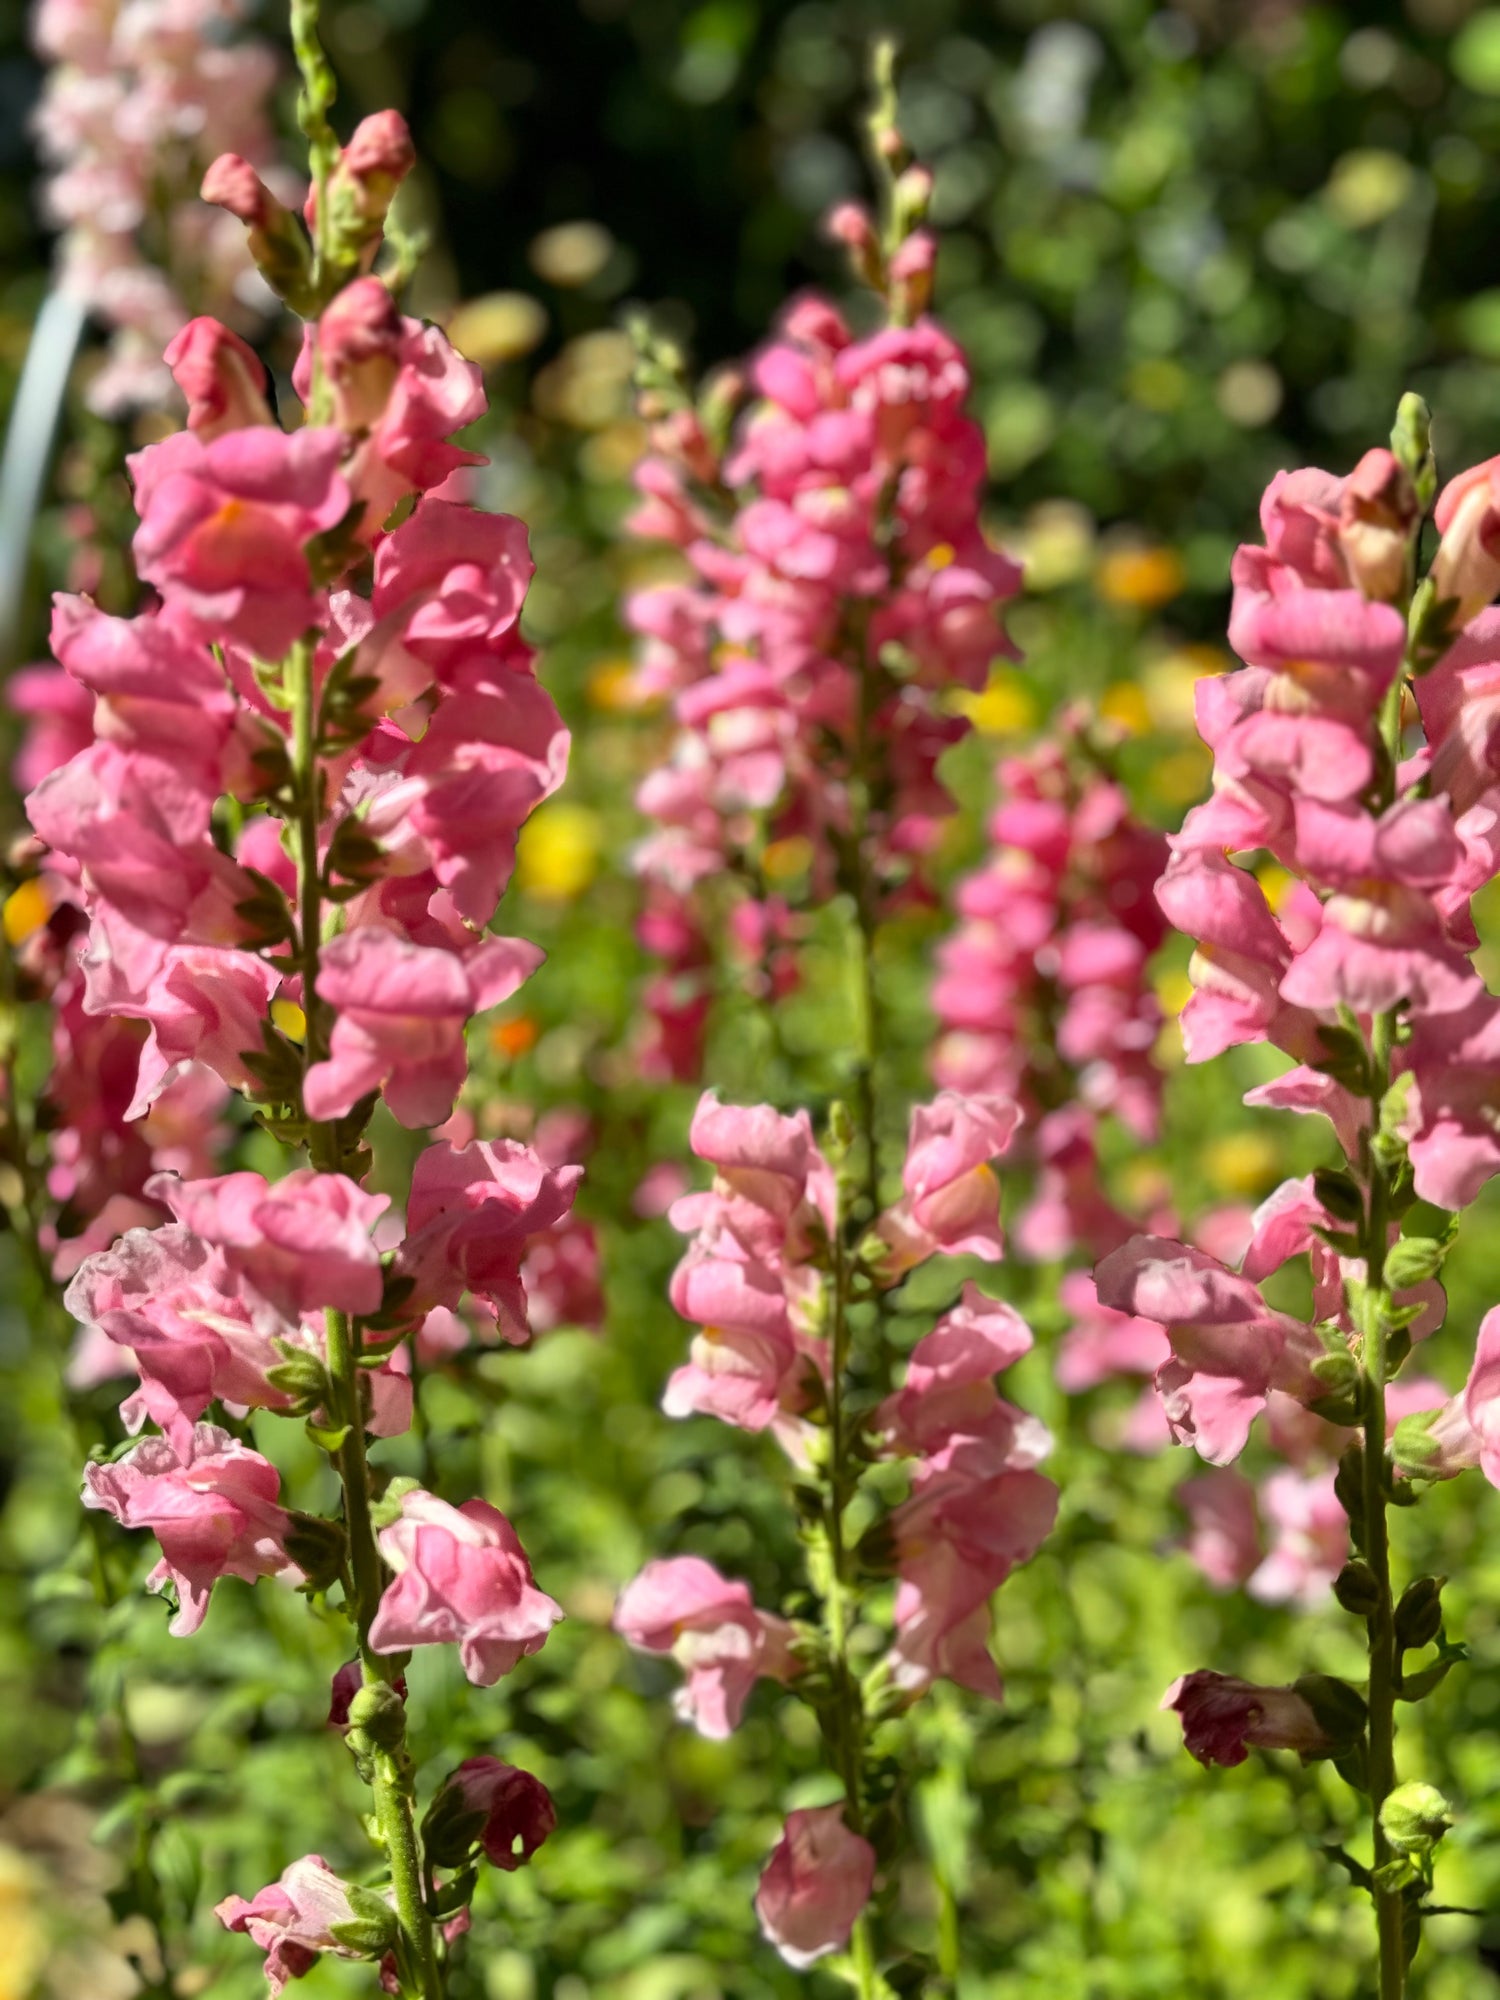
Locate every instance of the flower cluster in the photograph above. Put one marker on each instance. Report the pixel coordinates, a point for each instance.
(1041, 990)
(288, 834)
(840, 588)
(1327, 885)
(137, 101)
(767, 1281)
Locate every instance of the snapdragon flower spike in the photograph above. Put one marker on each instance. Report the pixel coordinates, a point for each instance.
(840, 588)
(1041, 992)
(136, 101)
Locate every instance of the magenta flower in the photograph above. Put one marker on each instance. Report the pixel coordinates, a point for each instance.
(1223, 1719)
(461, 1578)
(517, 1808)
(814, 1886)
(212, 1507)
(714, 1632)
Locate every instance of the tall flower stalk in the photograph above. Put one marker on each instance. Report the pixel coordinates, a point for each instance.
(841, 590)
(289, 834)
(1374, 840)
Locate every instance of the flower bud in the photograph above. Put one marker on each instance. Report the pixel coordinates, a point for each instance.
(377, 1714)
(1419, 1615)
(220, 376)
(1414, 1818)
(362, 186)
(359, 344)
(277, 240)
(346, 1684)
(1356, 1589)
(1378, 515)
(1224, 1718)
(317, 1547)
(1466, 568)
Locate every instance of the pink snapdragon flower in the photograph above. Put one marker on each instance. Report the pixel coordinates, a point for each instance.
(952, 1199)
(1229, 1348)
(401, 1013)
(516, 1809)
(212, 1507)
(461, 1577)
(473, 1217)
(814, 1886)
(225, 528)
(302, 1242)
(709, 1625)
(294, 1919)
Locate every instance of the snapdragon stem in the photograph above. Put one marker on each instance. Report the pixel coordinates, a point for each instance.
(1384, 1656)
(389, 1767)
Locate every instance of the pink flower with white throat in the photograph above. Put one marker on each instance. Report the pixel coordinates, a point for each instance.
(294, 1919)
(461, 1578)
(213, 1509)
(712, 1629)
(815, 1885)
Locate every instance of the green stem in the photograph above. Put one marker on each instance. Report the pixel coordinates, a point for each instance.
(390, 1768)
(1384, 1658)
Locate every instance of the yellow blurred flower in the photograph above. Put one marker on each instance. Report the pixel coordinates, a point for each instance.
(1126, 705)
(611, 454)
(1055, 544)
(1243, 1163)
(612, 686)
(559, 852)
(499, 326)
(1003, 708)
(26, 910)
(1170, 684)
(1140, 577)
(588, 385)
(785, 859)
(1173, 991)
(289, 1019)
(571, 253)
(1276, 883)
(1182, 778)
(25, 1952)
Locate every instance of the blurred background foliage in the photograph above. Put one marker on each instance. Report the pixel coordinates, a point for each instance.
(1184, 247)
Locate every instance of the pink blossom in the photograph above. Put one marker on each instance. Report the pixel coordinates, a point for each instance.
(455, 579)
(815, 1885)
(1102, 1343)
(220, 376)
(1229, 1349)
(471, 1219)
(952, 1200)
(401, 1010)
(517, 1809)
(212, 1507)
(302, 1242)
(225, 528)
(1225, 1539)
(709, 1625)
(294, 1919)
(1309, 1539)
(1224, 1718)
(461, 1577)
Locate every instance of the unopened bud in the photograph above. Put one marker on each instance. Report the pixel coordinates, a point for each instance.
(221, 378)
(359, 344)
(1419, 1615)
(1356, 1589)
(277, 241)
(377, 1714)
(317, 1547)
(1414, 1818)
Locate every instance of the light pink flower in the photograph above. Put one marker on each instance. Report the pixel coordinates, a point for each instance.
(1225, 1540)
(1309, 1539)
(401, 1010)
(952, 1199)
(213, 1509)
(815, 1885)
(220, 376)
(293, 1920)
(302, 1242)
(461, 1577)
(683, 1606)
